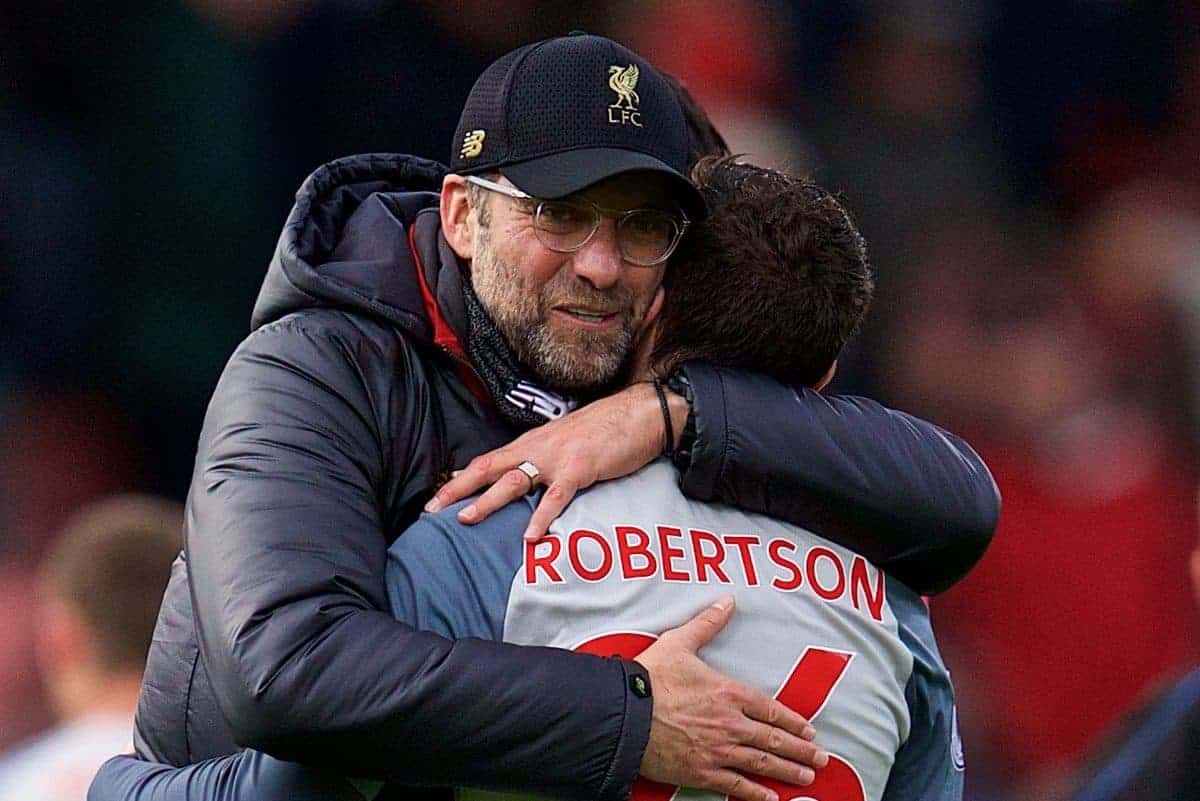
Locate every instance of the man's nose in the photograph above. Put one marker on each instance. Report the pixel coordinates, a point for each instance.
(599, 262)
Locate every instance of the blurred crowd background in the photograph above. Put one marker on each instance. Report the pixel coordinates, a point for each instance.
(1027, 175)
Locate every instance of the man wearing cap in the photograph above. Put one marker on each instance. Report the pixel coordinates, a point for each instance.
(406, 326)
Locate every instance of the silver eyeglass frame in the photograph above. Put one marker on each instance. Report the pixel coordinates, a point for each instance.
(681, 224)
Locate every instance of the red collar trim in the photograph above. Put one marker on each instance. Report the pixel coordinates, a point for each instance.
(443, 335)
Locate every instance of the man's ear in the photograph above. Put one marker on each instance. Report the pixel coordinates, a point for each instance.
(825, 379)
(652, 313)
(457, 222)
(647, 333)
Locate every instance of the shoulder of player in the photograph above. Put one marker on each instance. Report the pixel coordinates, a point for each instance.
(657, 482)
(915, 629)
(454, 579)
(442, 533)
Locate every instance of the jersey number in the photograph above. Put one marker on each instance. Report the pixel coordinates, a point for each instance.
(805, 691)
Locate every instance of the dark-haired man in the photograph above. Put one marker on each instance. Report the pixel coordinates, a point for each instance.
(818, 627)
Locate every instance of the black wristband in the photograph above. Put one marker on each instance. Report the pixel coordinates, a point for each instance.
(678, 383)
(669, 450)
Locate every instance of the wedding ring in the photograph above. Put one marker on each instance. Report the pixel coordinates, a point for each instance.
(531, 472)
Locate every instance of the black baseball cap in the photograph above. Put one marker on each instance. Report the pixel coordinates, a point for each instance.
(559, 115)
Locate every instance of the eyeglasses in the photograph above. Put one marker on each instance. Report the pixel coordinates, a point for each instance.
(645, 237)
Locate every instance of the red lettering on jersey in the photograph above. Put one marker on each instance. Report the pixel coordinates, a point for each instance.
(806, 690)
(627, 550)
(811, 682)
(669, 552)
(810, 567)
(775, 551)
(546, 563)
(743, 542)
(706, 562)
(582, 570)
(860, 586)
(837, 781)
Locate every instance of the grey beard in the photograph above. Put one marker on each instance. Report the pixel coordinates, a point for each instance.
(575, 362)
(589, 370)
(517, 399)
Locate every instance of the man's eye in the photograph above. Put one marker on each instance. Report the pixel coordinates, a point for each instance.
(562, 217)
(648, 226)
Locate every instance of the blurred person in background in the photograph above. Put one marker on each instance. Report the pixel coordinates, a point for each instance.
(60, 451)
(98, 596)
(1133, 258)
(1154, 754)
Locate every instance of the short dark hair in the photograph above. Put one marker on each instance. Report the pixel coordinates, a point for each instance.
(111, 563)
(776, 280)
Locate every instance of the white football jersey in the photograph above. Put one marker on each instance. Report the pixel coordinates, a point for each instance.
(816, 625)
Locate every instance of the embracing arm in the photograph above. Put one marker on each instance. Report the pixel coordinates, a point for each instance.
(286, 552)
(914, 499)
(244, 776)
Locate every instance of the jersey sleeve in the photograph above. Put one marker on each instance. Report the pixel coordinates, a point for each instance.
(244, 776)
(452, 579)
(929, 765)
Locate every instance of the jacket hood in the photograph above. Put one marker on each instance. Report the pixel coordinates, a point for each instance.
(361, 229)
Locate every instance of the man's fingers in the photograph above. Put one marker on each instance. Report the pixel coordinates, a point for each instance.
(735, 785)
(700, 630)
(555, 499)
(769, 711)
(512, 485)
(768, 739)
(481, 471)
(745, 759)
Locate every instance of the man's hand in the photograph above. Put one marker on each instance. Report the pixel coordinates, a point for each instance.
(609, 438)
(711, 732)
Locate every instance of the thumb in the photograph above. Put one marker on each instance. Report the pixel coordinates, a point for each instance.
(700, 630)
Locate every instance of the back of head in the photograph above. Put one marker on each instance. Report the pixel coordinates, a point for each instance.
(110, 566)
(776, 280)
